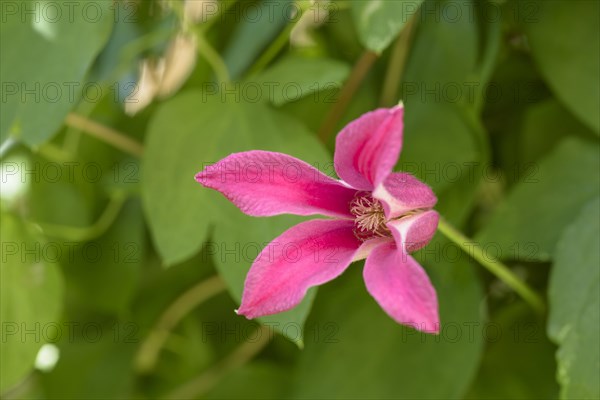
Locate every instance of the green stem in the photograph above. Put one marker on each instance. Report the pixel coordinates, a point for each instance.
(225, 5)
(276, 46)
(212, 57)
(358, 74)
(78, 234)
(494, 266)
(205, 49)
(150, 349)
(199, 386)
(397, 64)
(52, 152)
(108, 135)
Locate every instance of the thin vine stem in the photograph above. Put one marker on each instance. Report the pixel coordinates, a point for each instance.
(224, 6)
(150, 349)
(397, 64)
(212, 57)
(106, 134)
(205, 49)
(237, 358)
(497, 268)
(78, 234)
(271, 52)
(358, 74)
(276, 46)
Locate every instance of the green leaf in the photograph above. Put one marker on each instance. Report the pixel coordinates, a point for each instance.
(194, 130)
(519, 359)
(529, 222)
(189, 133)
(31, 291)
(235, 248)
(438, 166)
(296, 77)
(564, 39)
(574, 301)
(444, 73)
(378, 22)
(354, 350)
(438, 89)
(45, 56)
(546, 124)
(180, 139)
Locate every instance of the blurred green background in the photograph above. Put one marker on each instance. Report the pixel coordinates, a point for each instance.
(120, 274)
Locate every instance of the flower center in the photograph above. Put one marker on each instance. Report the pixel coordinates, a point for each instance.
(369, 217)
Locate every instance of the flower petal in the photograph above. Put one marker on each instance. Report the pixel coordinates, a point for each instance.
(306, 255)
(402, 288)
(401, 192)
(368, 246)
(414, 231)
(263, 183)
(367, 149)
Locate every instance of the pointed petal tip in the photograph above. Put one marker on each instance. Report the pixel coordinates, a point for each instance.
(368, 147)
(200, 177)
(402, 288)
(278, 281)
(430, 327)
(244, 313)
(261, 183)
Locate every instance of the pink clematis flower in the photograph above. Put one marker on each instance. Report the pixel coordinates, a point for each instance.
(375, 214)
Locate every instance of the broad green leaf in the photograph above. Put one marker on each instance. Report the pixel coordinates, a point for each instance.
(30, 298)
(179, 141)
(296, 77)
(234, 249)
(546, 124)
(565, 43)
(46, 53)
(444, 73)
(529, 222)
(438, 166)
(518, 362)
(195, 130)
(438, 89)
(378, 22)
(574, 301)
(354, 350)
(190, 133)
(457, 201)
(312, 110)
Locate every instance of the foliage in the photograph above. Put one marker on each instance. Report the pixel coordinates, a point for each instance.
(110, 248)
